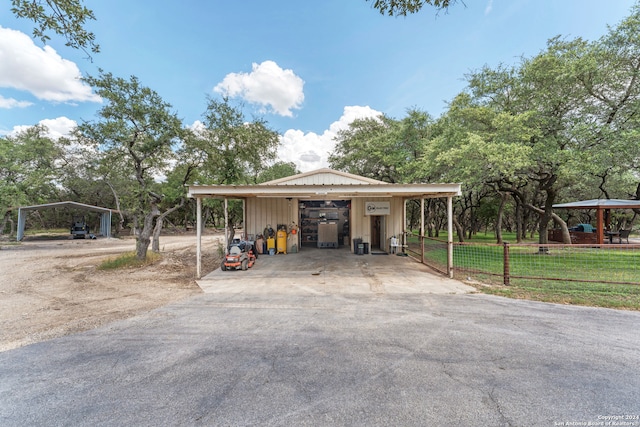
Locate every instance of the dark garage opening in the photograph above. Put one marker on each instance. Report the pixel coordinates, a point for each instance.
(325, 223)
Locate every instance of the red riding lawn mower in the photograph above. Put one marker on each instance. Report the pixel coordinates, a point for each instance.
(239, 256)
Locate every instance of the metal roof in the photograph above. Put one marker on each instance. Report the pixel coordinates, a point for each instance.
(323, 184)
(324, 176)
(600, 204)
(67, 204)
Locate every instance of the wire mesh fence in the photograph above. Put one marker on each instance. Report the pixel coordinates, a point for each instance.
(435, 252)
(555, 264)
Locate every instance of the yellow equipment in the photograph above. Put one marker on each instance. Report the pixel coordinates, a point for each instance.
(271, 243)
(281, 237)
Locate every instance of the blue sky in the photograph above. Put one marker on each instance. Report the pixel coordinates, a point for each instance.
(307, 67)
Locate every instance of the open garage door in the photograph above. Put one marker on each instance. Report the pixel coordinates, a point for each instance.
(324, 223)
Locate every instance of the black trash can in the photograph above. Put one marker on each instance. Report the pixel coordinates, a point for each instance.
(356, 242)
(360, 249)
(366, 248)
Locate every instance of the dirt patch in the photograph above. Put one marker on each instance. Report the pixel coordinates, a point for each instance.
(52, 287)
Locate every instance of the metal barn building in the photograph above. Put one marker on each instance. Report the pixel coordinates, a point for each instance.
(326, 207)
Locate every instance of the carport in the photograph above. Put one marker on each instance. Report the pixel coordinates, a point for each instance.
(105, 215)
(376, 210)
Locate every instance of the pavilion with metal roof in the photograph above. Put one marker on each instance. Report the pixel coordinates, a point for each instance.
(601, 206)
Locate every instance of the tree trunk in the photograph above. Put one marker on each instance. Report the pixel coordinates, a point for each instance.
(144, 237)
(206, 213)
(231, 232)
(566, 237)
(142, 245)
(459, 230)
(120, 225)
(543, 226)
(155, 246)
(135, 231)
(155, 243)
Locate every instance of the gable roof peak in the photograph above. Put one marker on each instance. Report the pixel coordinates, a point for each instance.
(324, 176)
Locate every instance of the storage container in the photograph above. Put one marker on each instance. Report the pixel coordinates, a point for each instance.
(281, 244)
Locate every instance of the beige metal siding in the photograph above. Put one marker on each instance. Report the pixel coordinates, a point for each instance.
(395, 225)
(274, 211)
(268, 211)
(361, 223)
(324, 179)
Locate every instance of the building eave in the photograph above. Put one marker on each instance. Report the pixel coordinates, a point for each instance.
(325, 191)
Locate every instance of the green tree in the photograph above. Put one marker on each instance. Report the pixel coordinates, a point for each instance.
(362, 147)
(30, 165)
(188, 161)
(479, 147)
(278, 170)
(232, 150)
(135, 135)
(89, 178)
(609, 72)
(67, 18)
(553, 125)
(383, 148)
(391, 151)
(407, 7)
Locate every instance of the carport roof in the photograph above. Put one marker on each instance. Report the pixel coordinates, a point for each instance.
(66, 205)
(325, 183)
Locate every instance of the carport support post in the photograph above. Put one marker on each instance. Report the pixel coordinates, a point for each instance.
(404, 226)
(450, 236)
(422, 230)
(600, 230)
(21, 224)
(226, 225)
(198, 237)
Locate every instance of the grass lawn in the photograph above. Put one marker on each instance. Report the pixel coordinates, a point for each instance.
(563, 274)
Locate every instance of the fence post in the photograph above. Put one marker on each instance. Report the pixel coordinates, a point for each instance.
(505, 254)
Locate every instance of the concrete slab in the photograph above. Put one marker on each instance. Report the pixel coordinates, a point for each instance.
(329, 271)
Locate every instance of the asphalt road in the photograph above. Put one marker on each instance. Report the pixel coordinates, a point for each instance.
(374, 360)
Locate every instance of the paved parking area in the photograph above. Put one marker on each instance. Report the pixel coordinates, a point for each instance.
(292, 357)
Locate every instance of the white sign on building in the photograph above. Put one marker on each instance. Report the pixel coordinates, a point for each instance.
(377, 208)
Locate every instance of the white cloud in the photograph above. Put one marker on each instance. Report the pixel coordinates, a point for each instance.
(197, 127)
(8, 103)
(62, 126)
(267, 85)
(40, 71)
(56, 128)
(311, 151)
